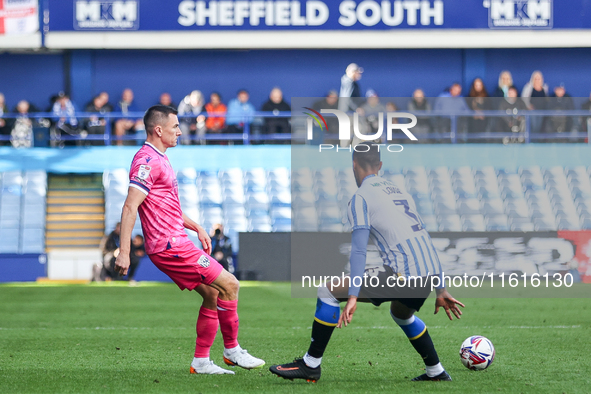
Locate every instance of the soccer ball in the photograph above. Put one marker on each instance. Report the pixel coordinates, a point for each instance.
(477, 353)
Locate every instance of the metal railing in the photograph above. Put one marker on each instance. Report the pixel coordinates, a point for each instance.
(253, 128)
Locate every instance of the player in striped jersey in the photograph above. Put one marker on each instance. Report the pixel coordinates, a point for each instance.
(382, 212)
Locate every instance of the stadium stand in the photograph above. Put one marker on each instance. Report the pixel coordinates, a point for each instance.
(22, 212)
(461, 199)
(505, 193)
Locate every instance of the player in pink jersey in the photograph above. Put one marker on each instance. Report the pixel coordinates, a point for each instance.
(153, 191)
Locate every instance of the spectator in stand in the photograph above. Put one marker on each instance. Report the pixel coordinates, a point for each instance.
(350, 94)
(559, 101)
(478, 100)
(453, 102)
(192, 126)
(330, 101)
(505, 82)
(514, 122)
(137, 251)
(109, 246)
(418, 103)
(240, 113)
(216, 114)
(5, 124)
(369, 112)
(65, 119)
(22, 131)
(165, 99)
(534, 95)
(398, 137)
(276, 104)
(126, 126)
(586, 120)
(95, 124)
(221, 247)
(105, 99)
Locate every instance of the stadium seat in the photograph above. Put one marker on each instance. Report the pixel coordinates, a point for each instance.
(9, 240)
(522, 227)
(33, 215)
(569, 224)
(305, 226)
(445, 208)
(473, 223)
(330, 227)
(469, 207)
(187, 176)
(233, 174)
(32, 240)
(586, 224)
(305, 199)
(493, 207)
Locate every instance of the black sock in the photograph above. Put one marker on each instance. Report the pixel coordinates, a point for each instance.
(424, 346)
(320, 337)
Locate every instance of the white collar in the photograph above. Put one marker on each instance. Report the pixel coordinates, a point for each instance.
(156, 149)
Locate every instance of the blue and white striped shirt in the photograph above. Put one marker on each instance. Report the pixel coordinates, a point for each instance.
(395, 227)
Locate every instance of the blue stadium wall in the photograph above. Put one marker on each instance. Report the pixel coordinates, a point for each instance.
(300, 73)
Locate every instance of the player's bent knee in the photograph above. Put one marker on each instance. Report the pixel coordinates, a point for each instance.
(400, 310)
(227, 285)
(209, 294)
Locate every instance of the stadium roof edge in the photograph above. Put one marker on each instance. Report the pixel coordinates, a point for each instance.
(336, 39)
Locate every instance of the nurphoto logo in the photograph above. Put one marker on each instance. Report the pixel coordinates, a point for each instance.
(344, 131)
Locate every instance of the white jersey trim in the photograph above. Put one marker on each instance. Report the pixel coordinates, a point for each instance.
(139, 188)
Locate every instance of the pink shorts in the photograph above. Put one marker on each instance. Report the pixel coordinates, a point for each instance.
(187, 265)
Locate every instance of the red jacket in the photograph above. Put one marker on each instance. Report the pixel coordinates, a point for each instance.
(212, 121)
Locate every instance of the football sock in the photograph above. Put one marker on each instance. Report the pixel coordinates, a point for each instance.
(434, 370)
(312, 362)
(207, 328)
(325, 321)
(228, 317)
(419, 337)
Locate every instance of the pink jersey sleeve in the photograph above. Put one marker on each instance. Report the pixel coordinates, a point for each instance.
(144, 172)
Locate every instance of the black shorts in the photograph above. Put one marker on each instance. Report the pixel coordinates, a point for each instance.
(390, 286)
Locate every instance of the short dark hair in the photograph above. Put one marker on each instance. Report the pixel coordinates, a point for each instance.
(155, 115)
(243, 91)
(366, 155)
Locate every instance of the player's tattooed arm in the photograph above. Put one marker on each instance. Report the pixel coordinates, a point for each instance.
(201, 233)
(448, 303)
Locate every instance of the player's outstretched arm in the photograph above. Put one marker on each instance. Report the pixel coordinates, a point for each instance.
(201, 233)
(447, 302)
(134, 198)
(359, 238)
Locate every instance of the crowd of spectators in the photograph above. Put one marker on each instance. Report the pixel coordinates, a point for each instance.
(214, 122)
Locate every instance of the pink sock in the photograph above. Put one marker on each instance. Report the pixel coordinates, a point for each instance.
(228, 318)
(207, 328)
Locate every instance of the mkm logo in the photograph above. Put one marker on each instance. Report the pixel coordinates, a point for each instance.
(519, 14)
(106, 15)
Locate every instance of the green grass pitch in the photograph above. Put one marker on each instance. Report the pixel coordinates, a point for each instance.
(111, 338)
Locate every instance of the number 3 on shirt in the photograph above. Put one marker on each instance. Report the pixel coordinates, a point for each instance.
(417, 227)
